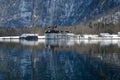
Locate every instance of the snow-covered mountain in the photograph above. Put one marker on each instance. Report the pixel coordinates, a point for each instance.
(21, 13)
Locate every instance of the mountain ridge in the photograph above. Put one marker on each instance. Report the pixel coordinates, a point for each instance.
(31, 13)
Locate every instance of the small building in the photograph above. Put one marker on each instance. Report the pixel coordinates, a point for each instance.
(52, 34)
(86, 36)
(105, 35)
(114, 35)
(119, 34)
(89, 36)
(58, 34)
(28, 36)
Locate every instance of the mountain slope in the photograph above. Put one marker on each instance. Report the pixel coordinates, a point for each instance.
(21, 13)
(110, 17)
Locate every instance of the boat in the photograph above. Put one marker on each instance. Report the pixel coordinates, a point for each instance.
(27, 36)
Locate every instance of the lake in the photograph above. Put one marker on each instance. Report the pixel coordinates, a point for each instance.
(59, 60)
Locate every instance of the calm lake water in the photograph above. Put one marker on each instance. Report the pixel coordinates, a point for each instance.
(59, 61)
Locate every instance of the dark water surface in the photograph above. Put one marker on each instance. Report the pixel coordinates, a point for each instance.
(53, 62)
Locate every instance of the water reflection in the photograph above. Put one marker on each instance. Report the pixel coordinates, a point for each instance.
(62, 42)
(53, 60)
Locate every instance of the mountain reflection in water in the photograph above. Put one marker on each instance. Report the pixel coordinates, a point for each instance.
(59, 62)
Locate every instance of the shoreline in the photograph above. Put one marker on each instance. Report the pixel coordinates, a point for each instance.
(78, 29)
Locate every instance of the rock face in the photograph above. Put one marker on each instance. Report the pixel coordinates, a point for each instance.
(113, 18)
(28, 13)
